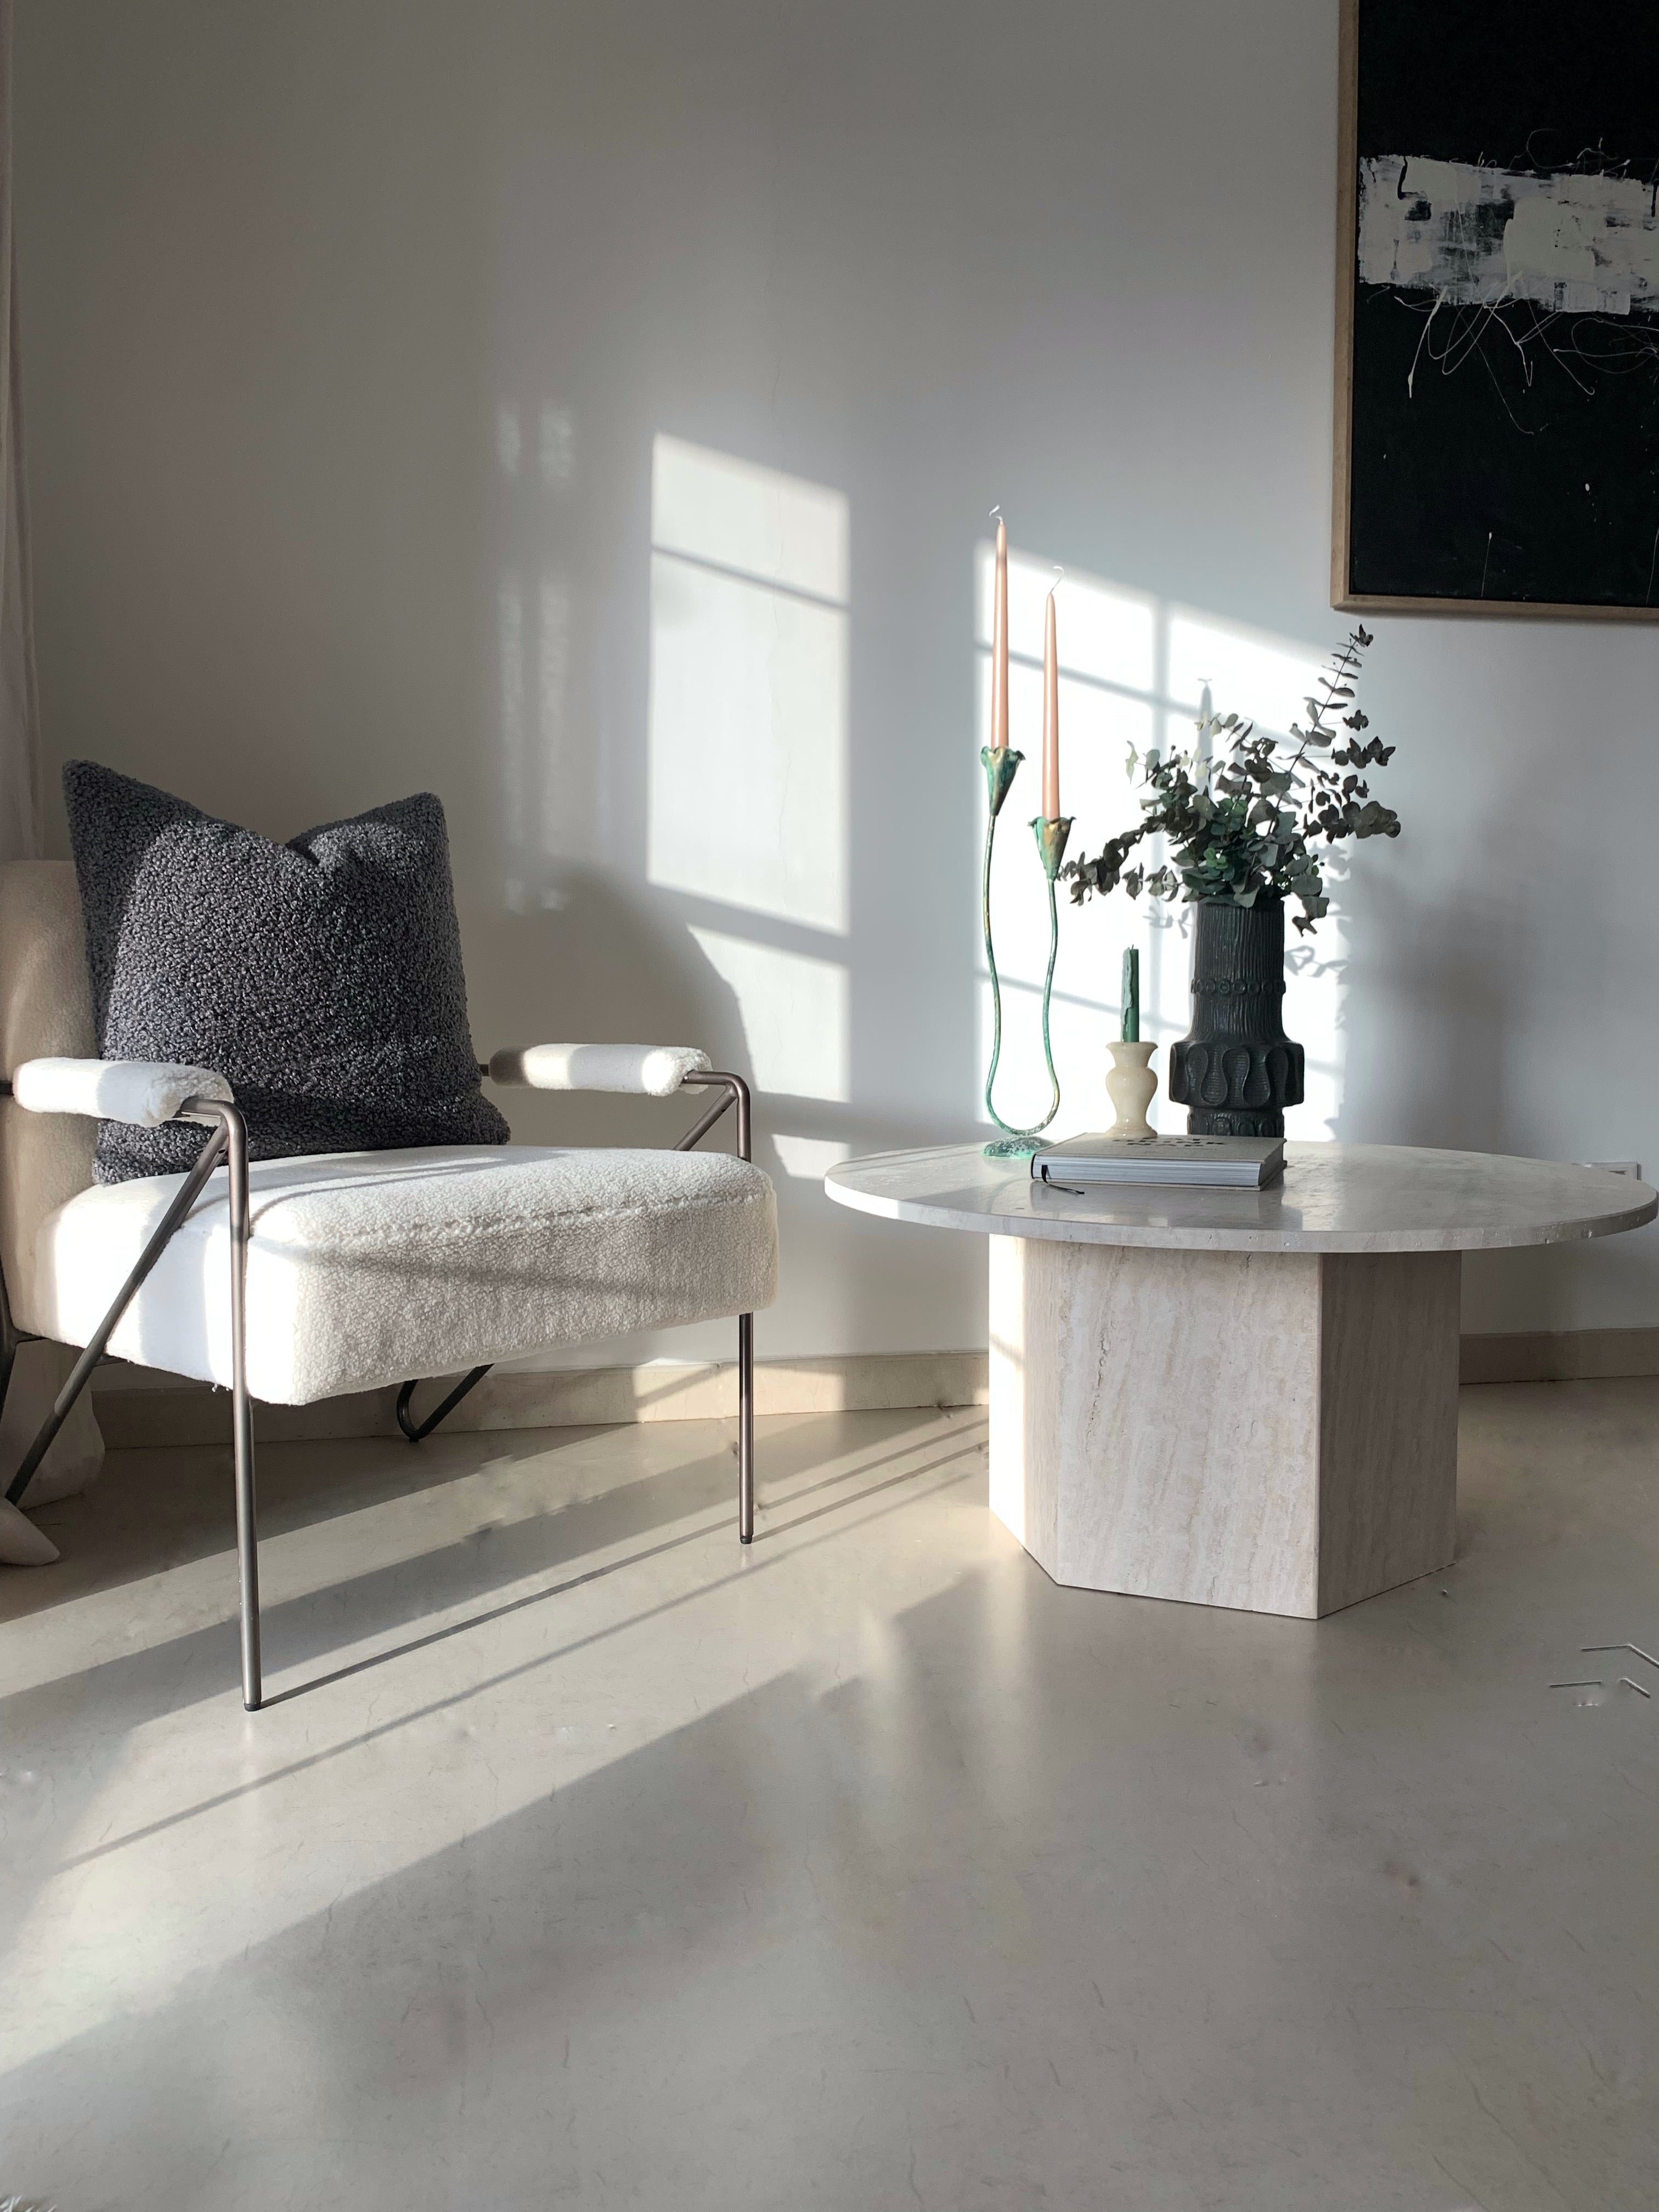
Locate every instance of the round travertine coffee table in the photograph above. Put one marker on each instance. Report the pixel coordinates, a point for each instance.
(1238, 1398)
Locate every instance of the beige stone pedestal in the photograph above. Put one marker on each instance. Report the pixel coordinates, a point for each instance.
(1276, 1431)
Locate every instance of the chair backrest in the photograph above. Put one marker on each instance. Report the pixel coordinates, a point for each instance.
(46, 1009)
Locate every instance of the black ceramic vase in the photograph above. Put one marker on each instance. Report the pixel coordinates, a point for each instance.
(1237, 1072)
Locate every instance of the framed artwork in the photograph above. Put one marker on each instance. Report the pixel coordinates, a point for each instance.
(1498, 304)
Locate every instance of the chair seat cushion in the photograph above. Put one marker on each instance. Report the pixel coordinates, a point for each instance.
(366, 1268)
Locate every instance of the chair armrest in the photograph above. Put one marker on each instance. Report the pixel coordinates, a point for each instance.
(145, 1092)
(655, 1070)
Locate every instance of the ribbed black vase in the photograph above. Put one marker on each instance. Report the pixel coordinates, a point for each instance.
(1237, 1072)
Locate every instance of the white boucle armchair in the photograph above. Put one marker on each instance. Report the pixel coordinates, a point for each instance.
(290, 1280)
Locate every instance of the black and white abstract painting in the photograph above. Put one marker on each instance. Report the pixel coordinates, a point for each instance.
(1498, 412)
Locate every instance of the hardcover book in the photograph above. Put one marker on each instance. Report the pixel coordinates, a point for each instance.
(1225, 1163)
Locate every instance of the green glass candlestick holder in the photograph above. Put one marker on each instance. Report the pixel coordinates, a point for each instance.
(1001, 765)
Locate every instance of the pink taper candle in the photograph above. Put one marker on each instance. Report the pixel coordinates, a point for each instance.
(999, 642)
(1050, 720)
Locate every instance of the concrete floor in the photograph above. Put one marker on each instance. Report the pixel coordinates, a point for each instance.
(583, 1860)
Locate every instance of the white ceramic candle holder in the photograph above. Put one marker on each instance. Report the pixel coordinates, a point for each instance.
(1131, 1086)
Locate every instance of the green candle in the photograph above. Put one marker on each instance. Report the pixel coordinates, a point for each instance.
(1131, 996)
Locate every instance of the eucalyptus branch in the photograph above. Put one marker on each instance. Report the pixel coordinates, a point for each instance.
(1243, 823)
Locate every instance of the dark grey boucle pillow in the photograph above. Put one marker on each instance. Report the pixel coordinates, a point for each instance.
(323, 977)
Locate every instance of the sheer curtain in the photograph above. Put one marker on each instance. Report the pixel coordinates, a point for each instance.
(77, 1452)
(19, 704)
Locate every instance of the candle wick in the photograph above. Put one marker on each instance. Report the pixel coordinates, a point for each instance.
(1060, 577)
(997, 509)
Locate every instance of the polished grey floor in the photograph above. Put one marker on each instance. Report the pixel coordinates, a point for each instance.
(585, 1861)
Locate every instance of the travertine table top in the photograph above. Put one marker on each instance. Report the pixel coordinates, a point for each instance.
(1333, 1198)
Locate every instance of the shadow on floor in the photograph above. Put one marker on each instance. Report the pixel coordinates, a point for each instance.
(1009, 1897)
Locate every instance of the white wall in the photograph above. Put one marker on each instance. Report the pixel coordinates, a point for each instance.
(354, 334)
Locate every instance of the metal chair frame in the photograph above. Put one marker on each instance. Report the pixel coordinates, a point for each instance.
(228, 1142)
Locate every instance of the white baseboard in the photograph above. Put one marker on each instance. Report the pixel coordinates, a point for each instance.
(1576, 1355)
(137, 1408)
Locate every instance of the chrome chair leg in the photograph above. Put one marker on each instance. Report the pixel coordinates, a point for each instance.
(417, 1433)
(745, 1428)
(241, 1413)
(227, 1139)
(81, 1374)
(736, 1096)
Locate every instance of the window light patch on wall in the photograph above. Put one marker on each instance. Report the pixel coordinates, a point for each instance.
(748, 720)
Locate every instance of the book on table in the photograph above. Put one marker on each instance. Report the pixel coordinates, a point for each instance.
(1220, 1163)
